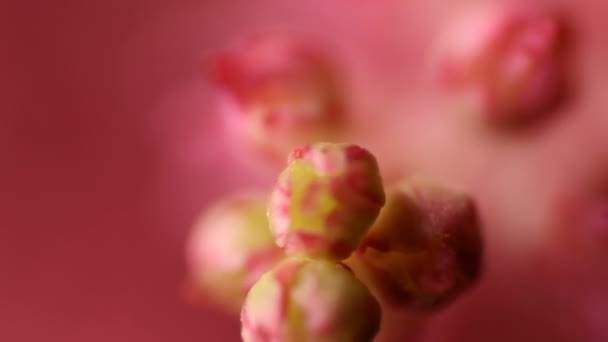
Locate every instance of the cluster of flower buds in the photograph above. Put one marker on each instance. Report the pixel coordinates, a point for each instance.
(503, 64)
(278, 93)
(321, 257)
(230, 247)
(323, 204)
(423, 249)
(288, 262)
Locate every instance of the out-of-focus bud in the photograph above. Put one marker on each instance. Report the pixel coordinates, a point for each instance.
(504, 65)
(424, 249)
(305, 300)
(230, 247)
(278, 93)
(325, 200)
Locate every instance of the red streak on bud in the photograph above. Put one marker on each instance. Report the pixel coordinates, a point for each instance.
(302, 240)
(283, 209)
(283, 190)
(284, 276)
(286, 272)
(299, 152)
(309, 200)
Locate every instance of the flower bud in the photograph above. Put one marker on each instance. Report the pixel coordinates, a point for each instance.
(230, 247)
(325, 200)
(424, 249)
(504, 65)
(278, 93)
(305, 300)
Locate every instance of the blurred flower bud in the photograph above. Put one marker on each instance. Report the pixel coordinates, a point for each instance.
(309, 300)
(504, 65)
(278, 93)
(230, 247)
(424, 249)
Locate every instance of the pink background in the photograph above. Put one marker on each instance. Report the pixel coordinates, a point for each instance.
(109, 148)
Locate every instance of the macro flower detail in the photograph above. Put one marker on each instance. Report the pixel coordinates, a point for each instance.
(277, 93)
(230, 247)
(304, 300)
(325, 200)
(424, 249)
(504, 65)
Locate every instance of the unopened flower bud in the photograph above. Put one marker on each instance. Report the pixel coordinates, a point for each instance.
(303, 300)
(278, 93)
(230, 247)
(325, 200)
(424, 249)
(505, 65)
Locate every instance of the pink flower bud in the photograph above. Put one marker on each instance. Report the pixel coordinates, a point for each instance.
(325, 200)
(230, 247)
(502, 64)
(278, 93)
(309, 300)
(424, 249)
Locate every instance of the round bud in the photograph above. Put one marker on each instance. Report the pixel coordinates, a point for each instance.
(325, 200)
(230, 247)
(424, 249)
(502, 64)
(309, 300)
(278, 93)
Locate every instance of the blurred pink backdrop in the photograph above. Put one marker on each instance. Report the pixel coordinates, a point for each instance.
(110, 147)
